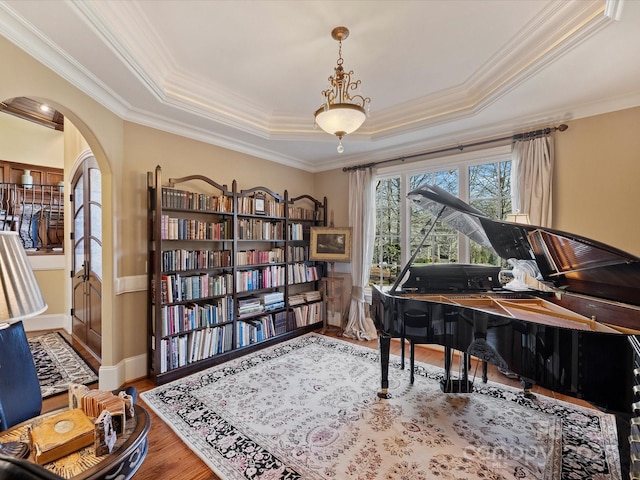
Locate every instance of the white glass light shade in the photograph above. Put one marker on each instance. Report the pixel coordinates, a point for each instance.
(340, 118)
(20, 295)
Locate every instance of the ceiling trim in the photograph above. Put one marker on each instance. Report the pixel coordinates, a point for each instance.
(557, 29)
(560, 40)
(22, 34)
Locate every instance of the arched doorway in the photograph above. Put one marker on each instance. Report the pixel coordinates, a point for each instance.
(86, 263)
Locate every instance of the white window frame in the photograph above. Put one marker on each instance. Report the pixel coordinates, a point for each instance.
(461, 162)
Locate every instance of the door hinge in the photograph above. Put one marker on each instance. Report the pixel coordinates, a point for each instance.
(72, 312)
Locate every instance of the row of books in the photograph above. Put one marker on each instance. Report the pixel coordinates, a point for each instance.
(247, 205)
(174, 198)
(258, 229)
(177, 288)
(295, 231)
(192, 229)
(297, 253)
(177, 319)
(181, 350)
(265, 326)
(183, 318)
(255, 330)
(301, 273)
(308, 314)
(274, 276)
(257, 279)
(300, 213)
(254, 257)
(182, 259)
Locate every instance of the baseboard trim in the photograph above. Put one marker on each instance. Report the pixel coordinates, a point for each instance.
(47, 322)
(129, 369)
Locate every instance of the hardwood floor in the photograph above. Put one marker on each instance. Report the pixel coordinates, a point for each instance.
(169, 457)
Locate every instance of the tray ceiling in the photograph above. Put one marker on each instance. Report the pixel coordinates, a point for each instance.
(248, 75)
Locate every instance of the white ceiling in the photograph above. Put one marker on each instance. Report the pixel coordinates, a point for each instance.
(247, 75)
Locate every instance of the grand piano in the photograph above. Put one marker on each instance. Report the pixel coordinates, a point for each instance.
(565, 317)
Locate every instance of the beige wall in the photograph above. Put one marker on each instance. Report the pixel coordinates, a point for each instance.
(145, 148)
(597, 171)
(335, 185)
(30, 143)
(597, 179)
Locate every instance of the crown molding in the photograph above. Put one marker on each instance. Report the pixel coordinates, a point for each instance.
(18, 31)
(561, 27)
(557, 29)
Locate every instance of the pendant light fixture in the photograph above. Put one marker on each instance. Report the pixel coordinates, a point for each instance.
(342, 112)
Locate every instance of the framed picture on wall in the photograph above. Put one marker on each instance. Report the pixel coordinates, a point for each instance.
(330, 244)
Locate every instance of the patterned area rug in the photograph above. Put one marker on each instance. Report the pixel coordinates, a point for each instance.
(308, 409)
(58, 364)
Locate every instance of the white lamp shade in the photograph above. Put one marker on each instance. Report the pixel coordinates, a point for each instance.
(340, 118)
(20, 295)
(519, 218)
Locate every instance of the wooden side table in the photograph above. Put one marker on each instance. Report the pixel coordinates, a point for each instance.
(333, 297)
(129, 453)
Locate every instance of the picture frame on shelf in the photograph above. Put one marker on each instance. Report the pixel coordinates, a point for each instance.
(259, 204)
(330, 244)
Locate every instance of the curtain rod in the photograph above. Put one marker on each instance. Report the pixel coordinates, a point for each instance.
(532, 134)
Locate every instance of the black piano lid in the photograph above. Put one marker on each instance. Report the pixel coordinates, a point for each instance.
(568, 261)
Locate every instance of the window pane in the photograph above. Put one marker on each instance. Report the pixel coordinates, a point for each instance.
(96, 258)
(489, 192)
(387, 248)
(78, 193)
(78, 253)
(442, 244)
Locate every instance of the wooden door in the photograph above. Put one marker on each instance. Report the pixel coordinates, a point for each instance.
(86, 204)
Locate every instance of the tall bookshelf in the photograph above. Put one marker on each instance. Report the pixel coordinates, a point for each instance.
(228, 271)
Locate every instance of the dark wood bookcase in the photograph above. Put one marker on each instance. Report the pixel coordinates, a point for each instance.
(228, 271)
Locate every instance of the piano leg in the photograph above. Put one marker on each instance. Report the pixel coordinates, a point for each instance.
(412, 353)
(527, 387)
(384, 343)
(461, 385)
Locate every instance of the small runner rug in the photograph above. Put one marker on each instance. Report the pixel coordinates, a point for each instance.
(308, 409)
(58, 364)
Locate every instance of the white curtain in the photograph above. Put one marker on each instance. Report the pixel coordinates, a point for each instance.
(362, 219)
(531, 178)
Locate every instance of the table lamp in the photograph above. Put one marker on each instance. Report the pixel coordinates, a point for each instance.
(20, 298)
